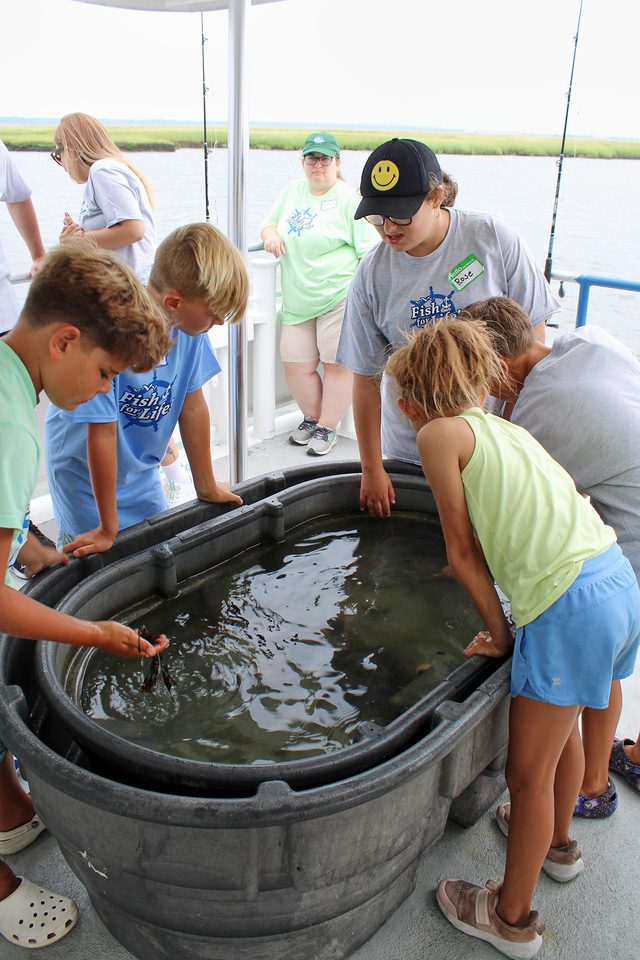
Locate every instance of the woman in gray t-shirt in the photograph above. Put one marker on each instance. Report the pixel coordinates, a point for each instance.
(434, 260)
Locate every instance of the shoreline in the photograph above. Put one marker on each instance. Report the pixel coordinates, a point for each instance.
(40, 137)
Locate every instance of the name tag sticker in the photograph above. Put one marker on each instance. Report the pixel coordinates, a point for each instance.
(328, 204)
(466, 272)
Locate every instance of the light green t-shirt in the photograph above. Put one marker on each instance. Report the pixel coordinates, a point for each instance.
(535, 528)
(324, 245)
(19, 447)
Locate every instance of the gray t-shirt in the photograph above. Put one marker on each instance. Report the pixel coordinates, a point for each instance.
(582, 403)
(114, 193)
(394, 293)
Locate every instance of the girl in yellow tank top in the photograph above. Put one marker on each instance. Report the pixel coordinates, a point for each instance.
(511, 513)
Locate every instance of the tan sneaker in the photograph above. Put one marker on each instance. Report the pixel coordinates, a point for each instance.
(561, 863)
(472, 910)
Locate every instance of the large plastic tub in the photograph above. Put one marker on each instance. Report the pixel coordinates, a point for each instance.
(151, 576)
(277, 871)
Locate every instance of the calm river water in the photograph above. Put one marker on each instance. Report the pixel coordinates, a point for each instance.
(598, 227)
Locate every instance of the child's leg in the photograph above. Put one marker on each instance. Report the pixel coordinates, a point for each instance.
(16, 807)
(8, 881)
(538, 735)
(569, 775)
(598, 734)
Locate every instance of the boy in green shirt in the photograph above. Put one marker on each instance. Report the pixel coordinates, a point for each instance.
(86, 318)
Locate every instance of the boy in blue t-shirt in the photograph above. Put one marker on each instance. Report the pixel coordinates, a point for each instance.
(86, 319)
(103, 458)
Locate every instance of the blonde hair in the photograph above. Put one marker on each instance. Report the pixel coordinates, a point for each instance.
(444, 366)
(508, 325)
(198, 262)
(80, 284)
(86, 140)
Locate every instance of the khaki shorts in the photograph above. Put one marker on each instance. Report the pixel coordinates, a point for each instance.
(313, 340)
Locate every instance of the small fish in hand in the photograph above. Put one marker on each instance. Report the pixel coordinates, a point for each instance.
(156, 666)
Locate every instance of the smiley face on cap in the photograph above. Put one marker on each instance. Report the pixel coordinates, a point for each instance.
(385, 175)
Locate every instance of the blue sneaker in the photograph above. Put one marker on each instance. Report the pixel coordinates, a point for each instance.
(619, 762)
(597, 808)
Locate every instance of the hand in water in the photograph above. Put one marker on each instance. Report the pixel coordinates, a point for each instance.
(484, 645)
(124, 642)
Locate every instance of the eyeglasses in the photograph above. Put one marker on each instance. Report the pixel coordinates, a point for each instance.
(56, 155)
(311, 160)
(378, 220)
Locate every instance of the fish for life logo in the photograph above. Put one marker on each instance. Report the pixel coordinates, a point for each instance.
(301, 220)
(148, 405)
(428, 309)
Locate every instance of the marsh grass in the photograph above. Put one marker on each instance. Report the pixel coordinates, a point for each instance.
(40, 137)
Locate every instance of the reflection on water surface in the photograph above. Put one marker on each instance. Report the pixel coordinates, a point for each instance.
(282, 652)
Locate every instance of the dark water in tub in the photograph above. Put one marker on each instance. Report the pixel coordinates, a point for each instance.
(284, 651)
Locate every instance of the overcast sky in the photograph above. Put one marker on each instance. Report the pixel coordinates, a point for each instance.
(488, 65)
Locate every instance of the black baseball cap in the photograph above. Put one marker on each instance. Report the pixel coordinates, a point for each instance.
(396, 178)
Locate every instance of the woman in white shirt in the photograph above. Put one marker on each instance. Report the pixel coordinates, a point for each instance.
(117, 214)
(116, 210)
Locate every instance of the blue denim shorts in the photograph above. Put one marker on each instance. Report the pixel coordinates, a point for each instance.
(570, 654)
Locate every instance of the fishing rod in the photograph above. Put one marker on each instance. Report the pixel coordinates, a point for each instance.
(548, 261)
(204, 124)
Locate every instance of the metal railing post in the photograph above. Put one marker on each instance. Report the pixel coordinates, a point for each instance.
(583, 301)
(238, 151)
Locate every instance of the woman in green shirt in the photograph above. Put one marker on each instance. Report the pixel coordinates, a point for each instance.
(312, 231)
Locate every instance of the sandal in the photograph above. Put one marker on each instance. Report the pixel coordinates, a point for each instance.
(599, 807)
(12, 841)
(619, 762)
(33, 917)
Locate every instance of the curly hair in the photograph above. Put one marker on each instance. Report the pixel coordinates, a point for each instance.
(442, 368)
(198, 262)
(100, 295)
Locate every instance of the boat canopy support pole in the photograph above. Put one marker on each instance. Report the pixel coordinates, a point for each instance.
(205, 142)
(238, 141)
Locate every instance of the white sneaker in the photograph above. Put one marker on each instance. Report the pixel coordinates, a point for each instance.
(178, 493)
(322, 441)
